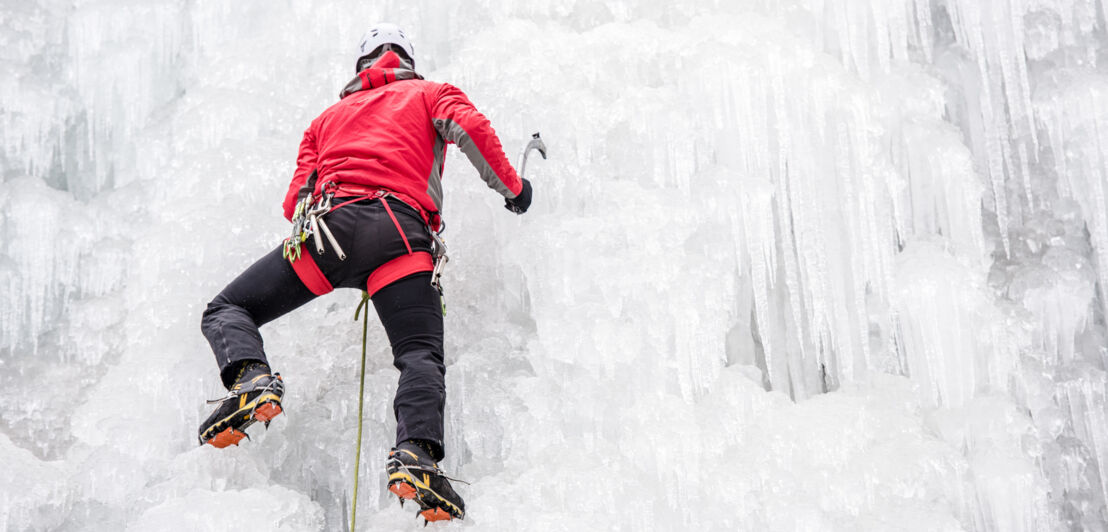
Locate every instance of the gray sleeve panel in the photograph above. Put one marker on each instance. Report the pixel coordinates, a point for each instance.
(434, 181)
(452, 132)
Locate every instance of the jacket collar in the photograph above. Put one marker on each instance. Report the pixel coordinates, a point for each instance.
(387, 69)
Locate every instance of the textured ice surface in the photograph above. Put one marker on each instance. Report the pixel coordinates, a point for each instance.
(792, 265)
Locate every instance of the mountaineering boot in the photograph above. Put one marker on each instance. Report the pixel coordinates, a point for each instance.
(414, 475)
(255, 396)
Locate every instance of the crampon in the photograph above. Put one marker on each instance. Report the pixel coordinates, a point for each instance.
(414, 476)
(256, 396)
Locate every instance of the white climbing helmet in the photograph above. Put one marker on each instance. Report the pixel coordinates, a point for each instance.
(384, 34)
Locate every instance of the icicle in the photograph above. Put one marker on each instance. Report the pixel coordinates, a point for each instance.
(118, 82)
(1075, 115)
(924, 28)
(943, 313)
(1084, 397)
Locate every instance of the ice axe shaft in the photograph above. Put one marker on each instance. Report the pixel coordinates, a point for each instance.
(536, 143)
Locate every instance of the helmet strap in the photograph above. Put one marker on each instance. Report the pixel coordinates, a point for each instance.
(368, 60)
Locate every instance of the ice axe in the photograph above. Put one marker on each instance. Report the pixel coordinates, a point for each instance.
(535, 143)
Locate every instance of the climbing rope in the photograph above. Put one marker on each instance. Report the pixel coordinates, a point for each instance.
(364, 305)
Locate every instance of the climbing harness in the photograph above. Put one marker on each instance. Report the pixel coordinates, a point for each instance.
(308, 222)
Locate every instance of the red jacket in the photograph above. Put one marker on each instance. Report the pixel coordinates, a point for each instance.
(389, 130)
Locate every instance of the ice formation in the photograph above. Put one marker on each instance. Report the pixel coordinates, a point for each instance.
(792, 265)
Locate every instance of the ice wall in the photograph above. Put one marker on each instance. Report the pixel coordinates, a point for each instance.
(1019, 79)
(797, 265)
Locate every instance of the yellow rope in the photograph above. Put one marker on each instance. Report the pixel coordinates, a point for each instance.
(361, 401)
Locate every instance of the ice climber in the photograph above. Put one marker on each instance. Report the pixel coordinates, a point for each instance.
(367, 190)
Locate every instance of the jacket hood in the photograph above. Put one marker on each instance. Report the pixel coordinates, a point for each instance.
(387, 69)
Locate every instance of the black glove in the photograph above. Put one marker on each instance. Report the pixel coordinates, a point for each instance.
(520, 203)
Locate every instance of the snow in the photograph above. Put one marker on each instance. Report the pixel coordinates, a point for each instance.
(791, 265)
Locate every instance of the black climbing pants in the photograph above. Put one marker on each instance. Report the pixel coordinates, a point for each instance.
(409, 308)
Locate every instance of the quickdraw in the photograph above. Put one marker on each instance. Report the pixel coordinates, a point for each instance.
(291, 250)
(439, 259)
(307, 219)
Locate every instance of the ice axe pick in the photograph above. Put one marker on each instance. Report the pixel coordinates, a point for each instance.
(535, 143)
